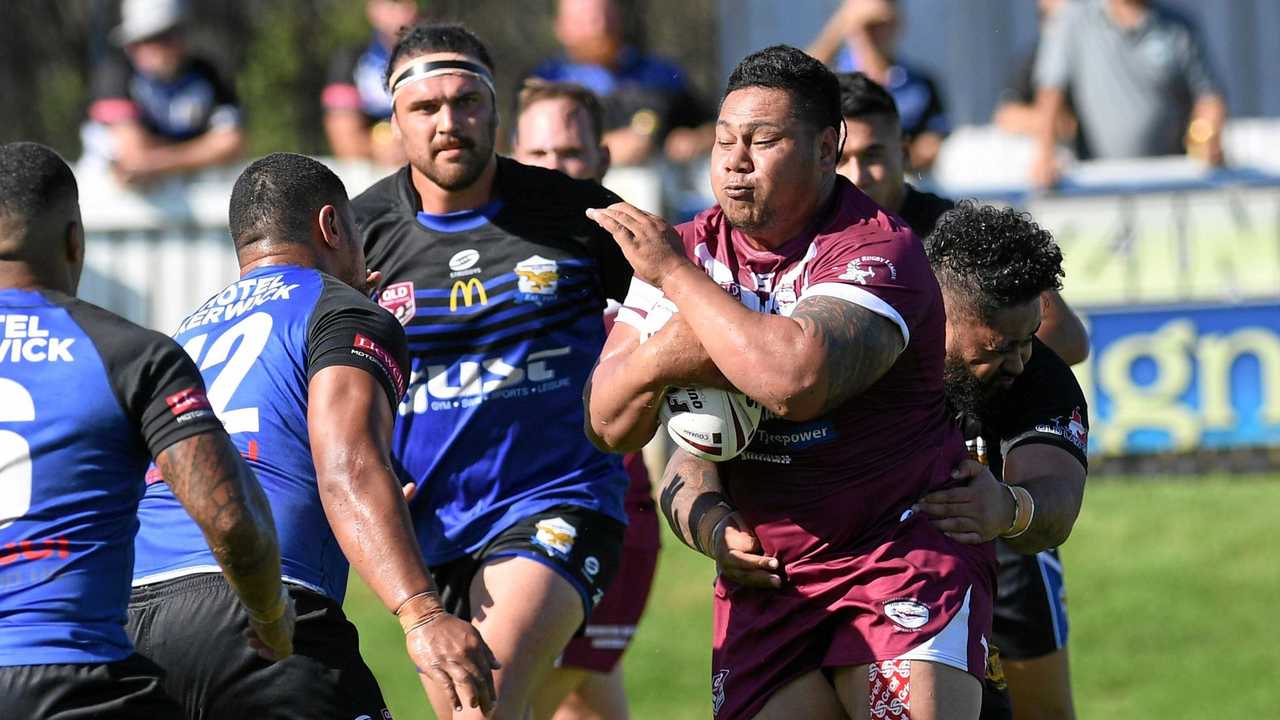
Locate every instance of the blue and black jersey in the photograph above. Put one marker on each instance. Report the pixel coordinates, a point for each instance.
(502, 306)
(258, 343)
(87, 399)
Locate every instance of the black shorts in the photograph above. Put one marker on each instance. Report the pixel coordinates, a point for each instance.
(194, 627)
(1030, 618)
(127, 689)
(583, 546)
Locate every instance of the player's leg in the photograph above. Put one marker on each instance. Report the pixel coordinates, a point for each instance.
(1041, 687)
(1031, 628)
(526, 612)
(809, 696)
(597, 696)
(902, 689)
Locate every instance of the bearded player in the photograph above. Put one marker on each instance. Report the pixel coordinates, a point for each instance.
(560, 126)
(501, 281)
(800, 292)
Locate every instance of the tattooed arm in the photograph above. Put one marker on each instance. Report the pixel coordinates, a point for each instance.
(692, 501)
(221, 494)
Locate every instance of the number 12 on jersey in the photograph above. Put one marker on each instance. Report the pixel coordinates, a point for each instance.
(236, 359)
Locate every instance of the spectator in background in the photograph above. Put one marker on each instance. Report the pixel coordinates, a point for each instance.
(357, 106)
(157, 110)
(1016, 112)
(873, 159)
(862, 35)
(648, 104)
(1140, 82)
(559, 126)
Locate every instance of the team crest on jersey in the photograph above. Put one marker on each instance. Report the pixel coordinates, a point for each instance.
(555, 536)
(537, 278)
(398, 300)
(907, 614)
(862, 270)
(1070, 428)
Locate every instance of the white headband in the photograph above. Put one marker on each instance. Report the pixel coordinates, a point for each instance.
(423, 69)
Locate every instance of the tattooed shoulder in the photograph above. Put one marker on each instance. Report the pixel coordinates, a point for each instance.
(861, 345)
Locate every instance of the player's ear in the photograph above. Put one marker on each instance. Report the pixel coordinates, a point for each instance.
(395, 126)
(75, 251)
(330, 229)
(828, 148)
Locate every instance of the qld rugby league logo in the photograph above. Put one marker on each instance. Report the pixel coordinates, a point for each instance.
(398, 300)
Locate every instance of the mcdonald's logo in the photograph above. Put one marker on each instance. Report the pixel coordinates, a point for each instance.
(466, 288)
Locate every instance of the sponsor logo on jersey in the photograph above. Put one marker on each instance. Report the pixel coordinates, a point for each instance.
(907, 614)
(798, 435)
(463, 263)
(717, 691)
(860, 270)
(189, 404)
(469, 382)
(1070, 428)
(467, 290)
(238, 299)
(378, 354)
(556, 536)
(537, 278)
(23, 340)
(591, 566)
(397, 299)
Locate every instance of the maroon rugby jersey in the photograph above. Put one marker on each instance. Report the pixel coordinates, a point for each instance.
(836, 482)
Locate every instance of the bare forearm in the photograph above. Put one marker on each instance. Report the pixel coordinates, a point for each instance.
(215, 147)
(1062, 330)
(692, 501)
(219, 492)
(827, 44)
(622, 401)
(370, 519)
(759, 353)
(1212, 110)
(1049, 105)
(1056, 481)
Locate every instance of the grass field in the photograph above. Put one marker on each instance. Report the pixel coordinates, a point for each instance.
(1172, 589)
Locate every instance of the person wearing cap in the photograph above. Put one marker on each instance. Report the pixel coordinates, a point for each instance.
(500, 280)
(156, 109)
(357, 106)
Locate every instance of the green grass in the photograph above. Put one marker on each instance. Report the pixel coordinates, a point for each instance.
(1171, 585)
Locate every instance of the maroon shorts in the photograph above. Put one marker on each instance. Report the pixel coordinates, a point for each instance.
(916, 595)
(613, 621)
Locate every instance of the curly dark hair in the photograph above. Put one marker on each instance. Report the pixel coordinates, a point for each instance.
(815, 92)
(994, 257)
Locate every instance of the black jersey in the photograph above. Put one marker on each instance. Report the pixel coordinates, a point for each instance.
(921, 210)
(502, 307)
(86, 400)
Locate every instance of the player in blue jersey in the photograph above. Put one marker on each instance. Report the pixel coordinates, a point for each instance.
(87, 399)
(305, 372)
(500, 280)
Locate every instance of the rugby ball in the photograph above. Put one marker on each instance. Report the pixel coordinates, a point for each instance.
(710, 423)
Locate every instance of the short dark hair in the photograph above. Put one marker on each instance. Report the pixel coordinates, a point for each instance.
(33, 180)
(427, 38)
(815, 92)
(278, 196)
(994, 257)
(535, 90)
(862, 97)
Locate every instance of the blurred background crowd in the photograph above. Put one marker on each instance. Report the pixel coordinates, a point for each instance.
(1145, 134)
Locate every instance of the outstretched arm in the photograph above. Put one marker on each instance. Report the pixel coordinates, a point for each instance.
(219, 491)
(350, 421)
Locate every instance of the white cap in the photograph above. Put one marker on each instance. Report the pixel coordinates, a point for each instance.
(141, 19)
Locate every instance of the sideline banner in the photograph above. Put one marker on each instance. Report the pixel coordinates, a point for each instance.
(1182, 378)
